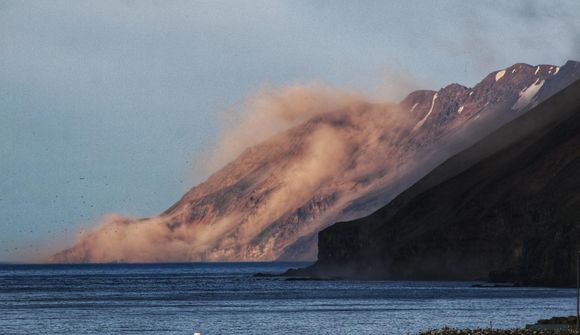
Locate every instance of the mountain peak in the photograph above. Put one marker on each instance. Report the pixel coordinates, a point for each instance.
(337, 165)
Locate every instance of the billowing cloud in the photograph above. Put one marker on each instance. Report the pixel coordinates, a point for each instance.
(175, 237)
(272, 110)
(323, 158)
(339, 136)
(120, 239)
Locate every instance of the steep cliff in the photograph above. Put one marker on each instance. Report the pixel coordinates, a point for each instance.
(506, 209)
(272, 200)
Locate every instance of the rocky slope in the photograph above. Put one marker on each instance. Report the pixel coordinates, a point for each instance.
(507, 209)
(273, 199)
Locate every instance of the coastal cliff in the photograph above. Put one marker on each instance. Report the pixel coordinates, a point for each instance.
(505, 210)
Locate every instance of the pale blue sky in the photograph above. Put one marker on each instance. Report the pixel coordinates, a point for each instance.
(105, 105)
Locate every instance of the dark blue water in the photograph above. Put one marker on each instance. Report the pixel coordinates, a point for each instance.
(227, 299)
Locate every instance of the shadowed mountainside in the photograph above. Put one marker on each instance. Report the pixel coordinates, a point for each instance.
(505, 210)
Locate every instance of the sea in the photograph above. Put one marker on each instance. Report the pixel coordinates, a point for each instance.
(227, 298)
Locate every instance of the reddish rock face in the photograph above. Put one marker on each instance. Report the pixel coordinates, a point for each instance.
(272, 200)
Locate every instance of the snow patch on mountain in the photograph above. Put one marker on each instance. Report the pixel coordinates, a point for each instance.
(527, 95)
(413, 108)
(420, 123)
(499, 75)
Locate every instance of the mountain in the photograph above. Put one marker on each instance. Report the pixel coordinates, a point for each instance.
(272, 200)
(507, 210)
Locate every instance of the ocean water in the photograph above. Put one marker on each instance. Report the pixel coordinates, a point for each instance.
(226, 298)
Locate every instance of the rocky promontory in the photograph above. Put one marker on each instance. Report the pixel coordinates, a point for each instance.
(505, 210)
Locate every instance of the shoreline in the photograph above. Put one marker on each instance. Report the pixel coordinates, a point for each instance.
(302, 274)
(489, 331)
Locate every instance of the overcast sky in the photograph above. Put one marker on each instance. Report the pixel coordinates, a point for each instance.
(105, 106)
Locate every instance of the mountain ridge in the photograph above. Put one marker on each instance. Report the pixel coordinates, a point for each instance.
(271, 201)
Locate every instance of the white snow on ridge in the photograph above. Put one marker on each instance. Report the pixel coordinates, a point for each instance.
(413, 108)
(499, 75)
(537, 70)
(527, 95)
(460, 109)
(420, 123)
(555, 69)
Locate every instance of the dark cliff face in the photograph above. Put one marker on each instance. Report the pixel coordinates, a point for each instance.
(506, 209)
